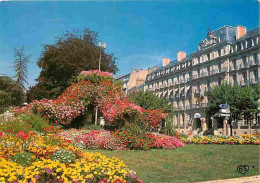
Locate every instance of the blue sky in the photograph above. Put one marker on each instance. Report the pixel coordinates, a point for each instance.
(138, 33)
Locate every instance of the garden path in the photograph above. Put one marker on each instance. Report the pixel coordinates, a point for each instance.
(252, 179)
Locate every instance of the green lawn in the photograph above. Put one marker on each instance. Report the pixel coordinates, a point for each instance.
(190, 164)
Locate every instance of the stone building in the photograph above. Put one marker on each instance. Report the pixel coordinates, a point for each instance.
(229, 54)
(133, 81)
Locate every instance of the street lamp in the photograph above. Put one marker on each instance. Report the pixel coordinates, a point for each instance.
(104, 46)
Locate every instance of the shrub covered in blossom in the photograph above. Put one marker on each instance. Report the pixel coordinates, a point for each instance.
(121, 139)
(93, 139)
(96, 88)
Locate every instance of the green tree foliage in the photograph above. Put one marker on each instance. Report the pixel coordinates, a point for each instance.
(62, 61)
(148, 100)
(20, 66)
(11, 93)
(242, 101)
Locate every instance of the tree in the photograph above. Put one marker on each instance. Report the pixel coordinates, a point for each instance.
(11, 93)
(62, 61)
(20, 66)
(242, 101)
(148, 100)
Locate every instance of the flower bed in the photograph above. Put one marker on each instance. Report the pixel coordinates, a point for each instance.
(28, 157)
(120, 140)
(243, 139)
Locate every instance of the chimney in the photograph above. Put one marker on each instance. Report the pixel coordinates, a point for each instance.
(155, 68)
(166, 61)
(181, 55)
(149, 70)
(240, 31)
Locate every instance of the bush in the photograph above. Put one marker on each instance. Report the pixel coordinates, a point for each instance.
(36, 122)
(93, 127)
(64, 156)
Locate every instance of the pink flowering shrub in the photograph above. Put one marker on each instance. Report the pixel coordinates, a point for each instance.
(120, 140)
(96, 88)
(94, 139)
(165, 142)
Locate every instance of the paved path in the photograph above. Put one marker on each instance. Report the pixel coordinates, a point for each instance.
(252, 179)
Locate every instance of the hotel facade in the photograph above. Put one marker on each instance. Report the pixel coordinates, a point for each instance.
(228, 54)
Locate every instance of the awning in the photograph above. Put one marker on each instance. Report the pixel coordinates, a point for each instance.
(197, 115)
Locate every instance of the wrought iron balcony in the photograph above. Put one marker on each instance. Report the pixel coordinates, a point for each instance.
(204, 104)
(195, 76)
(204, 74)
(181, 108)
(214, 72)
(195, 106)
(182, 81)
(254, 80)
(242, 83)
(224, 69)
(188, 107)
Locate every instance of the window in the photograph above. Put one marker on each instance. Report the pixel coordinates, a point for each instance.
(234, 62)
(249, 43)
(255, 73)
(208, 56)
(238, 46)
(198, 72)
(245, 76)
(198, 86)
(198, 59)
(219, 81)
(244, 62)
(255, 58)
(219, 53)
(235, 79)
(208, 84)
(219, 67)
(190, 74)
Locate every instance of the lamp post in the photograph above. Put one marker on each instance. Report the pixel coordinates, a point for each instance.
(104, 46)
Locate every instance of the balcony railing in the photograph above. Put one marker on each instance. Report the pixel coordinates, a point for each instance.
(195, 106)
(187, 106)
(242, 66)
(214, 72)
(181, 108)
(182, 81)
(243, 83)
(224, 69)
(254, 80)
(204, 74)
(195, 76)
(204, 104)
